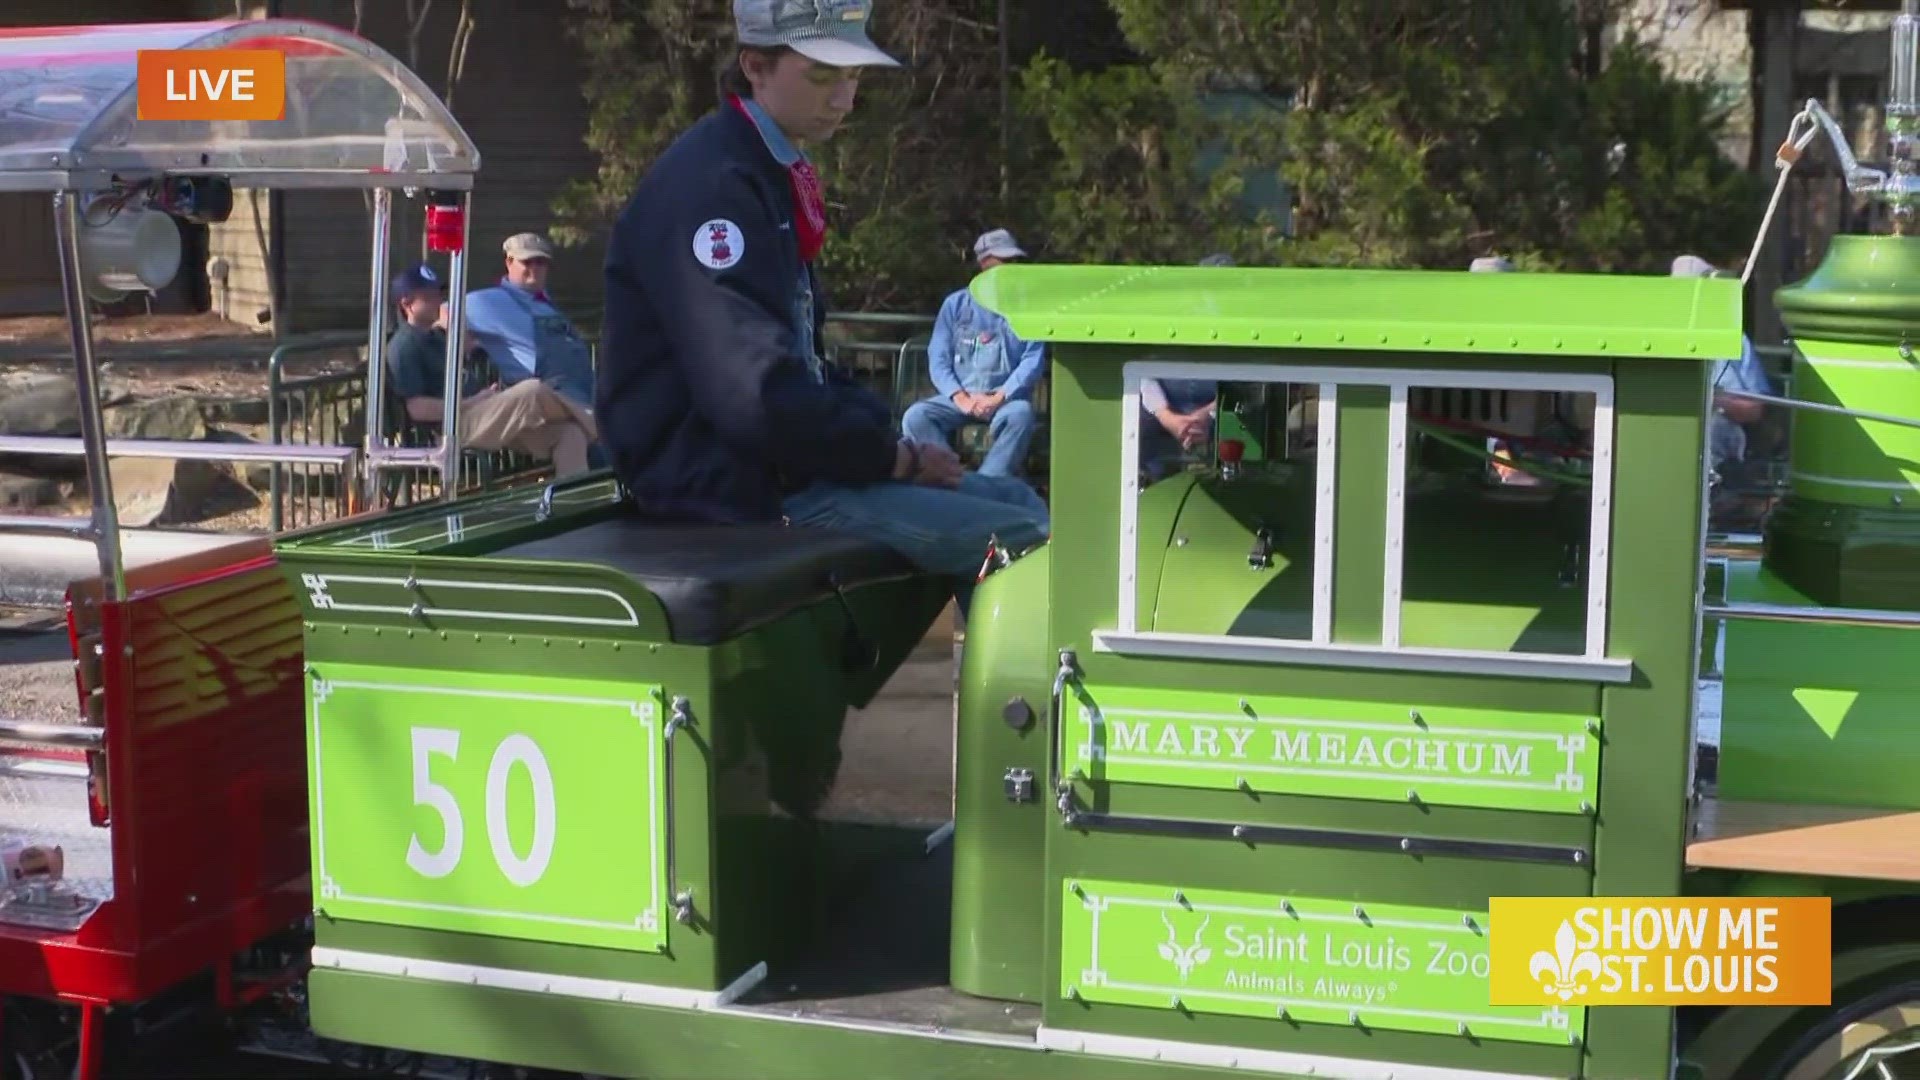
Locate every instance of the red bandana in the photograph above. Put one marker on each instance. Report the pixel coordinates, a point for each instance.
(810, 217)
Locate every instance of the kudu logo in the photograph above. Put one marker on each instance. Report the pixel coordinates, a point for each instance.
(1185, 959)
(1565, 972)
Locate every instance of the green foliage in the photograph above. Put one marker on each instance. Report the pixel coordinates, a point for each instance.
(1120, 178)
(648, 75)
(1306, 132)
(1671, 190)
(1420, 134)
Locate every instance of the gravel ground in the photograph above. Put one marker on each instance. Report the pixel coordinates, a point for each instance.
(897, 763)
(142, 329)
(36, 676)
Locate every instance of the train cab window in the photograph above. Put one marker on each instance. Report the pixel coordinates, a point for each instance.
(1230, 529)
(1447, 519)
(1490, 527)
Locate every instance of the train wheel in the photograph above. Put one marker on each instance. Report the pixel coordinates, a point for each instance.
(1872, 1032)
(352, 1060)
(37, 1041)
(1877, 1038)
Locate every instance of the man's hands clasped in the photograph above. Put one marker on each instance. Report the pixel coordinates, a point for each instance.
(1191, 429)
(979, 406)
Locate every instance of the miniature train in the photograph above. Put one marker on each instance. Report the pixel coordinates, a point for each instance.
(1241, 755)
(1356, 677)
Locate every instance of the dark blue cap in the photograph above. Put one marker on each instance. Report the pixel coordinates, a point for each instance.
(415, 279)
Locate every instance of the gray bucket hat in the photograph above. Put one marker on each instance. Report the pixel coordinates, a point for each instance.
(832, 32)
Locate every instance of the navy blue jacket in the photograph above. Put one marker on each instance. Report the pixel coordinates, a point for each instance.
(706, 401)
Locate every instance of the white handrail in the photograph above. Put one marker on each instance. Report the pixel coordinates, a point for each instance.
(35, 733)
(49, 525)
(182, 449)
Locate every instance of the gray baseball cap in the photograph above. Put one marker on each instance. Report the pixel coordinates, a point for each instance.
(527, 245)
(998, 243)
(832, 32)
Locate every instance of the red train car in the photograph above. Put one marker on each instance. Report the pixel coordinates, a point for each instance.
(175, 798)
(153, 828)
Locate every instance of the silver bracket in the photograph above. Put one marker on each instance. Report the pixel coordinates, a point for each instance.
(1019, 785)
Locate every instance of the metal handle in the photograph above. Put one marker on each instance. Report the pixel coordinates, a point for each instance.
(682, 718)
(1061, 787)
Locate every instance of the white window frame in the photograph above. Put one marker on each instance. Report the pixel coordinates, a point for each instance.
(1320, 649)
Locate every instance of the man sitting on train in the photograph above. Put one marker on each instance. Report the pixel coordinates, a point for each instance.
(528, 416)
(519, 326)
(982, 373)
(1178, 414)
(1736, 421)
(720, 406)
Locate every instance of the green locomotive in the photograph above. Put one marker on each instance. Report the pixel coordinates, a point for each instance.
(1241, 754)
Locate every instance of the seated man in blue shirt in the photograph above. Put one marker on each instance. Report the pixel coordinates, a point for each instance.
(984, 374)
(528, 416)
(527, 337)
(1734, 417)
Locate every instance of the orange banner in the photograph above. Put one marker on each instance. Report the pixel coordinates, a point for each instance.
(211, 84)
(1615, 950)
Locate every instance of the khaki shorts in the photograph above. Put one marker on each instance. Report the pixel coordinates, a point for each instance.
(529, 416)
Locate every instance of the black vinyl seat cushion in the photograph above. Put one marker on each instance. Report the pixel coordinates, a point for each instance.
(717, 581)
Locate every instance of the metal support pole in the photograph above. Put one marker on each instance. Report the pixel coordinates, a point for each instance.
(456, 356)
(1815, 406)
(1831, 616)
(93, 431)
(377, 307)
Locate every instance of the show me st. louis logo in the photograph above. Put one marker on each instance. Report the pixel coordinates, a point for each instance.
(1566, 971)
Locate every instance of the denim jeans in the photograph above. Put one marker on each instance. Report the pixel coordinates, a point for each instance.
(935, 419)
(941, 530)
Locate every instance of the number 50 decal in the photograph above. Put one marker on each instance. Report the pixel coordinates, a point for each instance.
(513, 750)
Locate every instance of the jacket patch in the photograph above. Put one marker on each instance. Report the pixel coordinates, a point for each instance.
(719, 244)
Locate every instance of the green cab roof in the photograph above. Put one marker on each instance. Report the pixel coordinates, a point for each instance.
(1400, 310)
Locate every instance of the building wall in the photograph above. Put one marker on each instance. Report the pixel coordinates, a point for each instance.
(1700, 39)
(1697, 39)
(30, 272)
(518, 99)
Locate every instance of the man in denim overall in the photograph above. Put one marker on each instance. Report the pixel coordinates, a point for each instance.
(982, 373)
(524, 334)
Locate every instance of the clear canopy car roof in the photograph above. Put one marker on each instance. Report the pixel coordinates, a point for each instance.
(355, 116)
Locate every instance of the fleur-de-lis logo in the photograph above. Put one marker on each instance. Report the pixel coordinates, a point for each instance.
(1184, 959)
(1565, 971)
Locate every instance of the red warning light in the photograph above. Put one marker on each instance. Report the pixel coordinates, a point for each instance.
(446, 228)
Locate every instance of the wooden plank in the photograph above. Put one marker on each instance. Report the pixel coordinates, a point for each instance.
(1788, 838)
